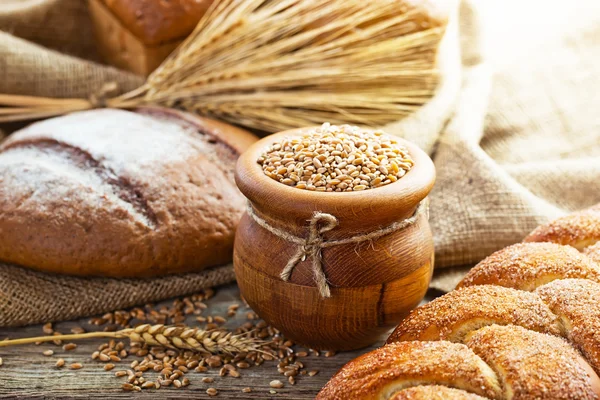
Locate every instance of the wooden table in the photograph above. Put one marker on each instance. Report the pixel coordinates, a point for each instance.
(26, 373)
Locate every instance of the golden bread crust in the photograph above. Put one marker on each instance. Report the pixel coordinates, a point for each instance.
(391, 368)
(532, 365)
(510, 310)
(452, 316)
(577, 303)
(580, 230)
(526, 266)
(593, 252)
(434, 392)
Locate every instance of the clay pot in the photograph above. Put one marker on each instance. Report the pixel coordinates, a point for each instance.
(373, 284)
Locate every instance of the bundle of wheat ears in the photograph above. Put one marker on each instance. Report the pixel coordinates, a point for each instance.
(279, 64)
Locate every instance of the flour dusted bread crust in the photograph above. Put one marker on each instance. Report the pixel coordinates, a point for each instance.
(122, 194)
(530, 312)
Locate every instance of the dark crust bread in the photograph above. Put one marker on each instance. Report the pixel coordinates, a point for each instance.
(452, 316)
(533, 365)
(391, 368)
(526, 266)
(157, 21)
(120, 194)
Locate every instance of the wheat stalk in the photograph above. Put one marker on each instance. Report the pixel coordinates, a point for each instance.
(172, 337)
(278, 64)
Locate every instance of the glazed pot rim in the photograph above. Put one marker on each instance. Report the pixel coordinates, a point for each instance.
(267, 194)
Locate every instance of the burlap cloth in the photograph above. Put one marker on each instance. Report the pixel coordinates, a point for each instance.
(509, 154)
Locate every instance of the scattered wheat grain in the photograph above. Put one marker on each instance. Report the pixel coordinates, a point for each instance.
(276, 384)
(148, 385)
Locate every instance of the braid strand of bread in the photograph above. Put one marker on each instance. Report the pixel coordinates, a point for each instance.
(524, 323)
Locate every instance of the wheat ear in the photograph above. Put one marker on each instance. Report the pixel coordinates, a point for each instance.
(173, 337)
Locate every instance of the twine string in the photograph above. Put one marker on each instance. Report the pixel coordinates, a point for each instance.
(311, 246)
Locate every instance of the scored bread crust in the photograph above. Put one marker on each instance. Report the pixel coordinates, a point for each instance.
(121, 194)
(454, 315)
(434, 392)
(525, 266)
(532, 365)
(389, 369)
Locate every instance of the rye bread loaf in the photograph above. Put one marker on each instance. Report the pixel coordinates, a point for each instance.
(120, 194)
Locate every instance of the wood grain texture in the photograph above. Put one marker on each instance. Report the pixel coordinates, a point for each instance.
(352, 318)
(373, 283)
(26, 373)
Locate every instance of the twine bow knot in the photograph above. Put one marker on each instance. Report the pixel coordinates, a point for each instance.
(311, 246)
(319, 224)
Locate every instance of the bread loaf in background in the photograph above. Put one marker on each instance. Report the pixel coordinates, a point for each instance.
(120, 194)
(137, 35)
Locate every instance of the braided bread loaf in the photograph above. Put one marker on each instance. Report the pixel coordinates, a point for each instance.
(516, 328)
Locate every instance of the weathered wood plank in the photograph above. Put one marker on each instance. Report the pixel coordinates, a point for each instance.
(27, 373)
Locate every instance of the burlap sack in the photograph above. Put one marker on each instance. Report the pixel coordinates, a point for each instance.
(511, 155)
(523, 149)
